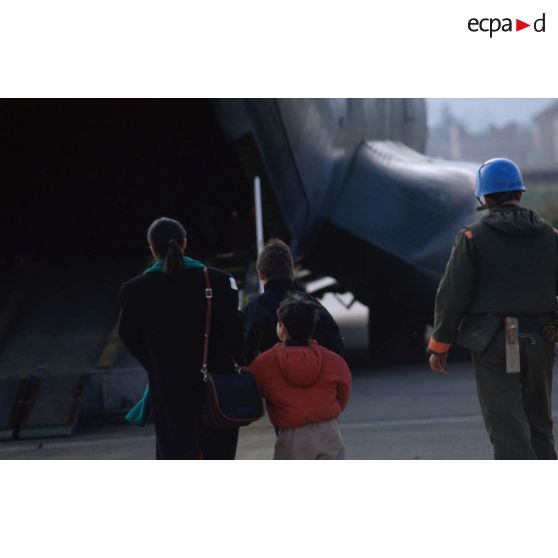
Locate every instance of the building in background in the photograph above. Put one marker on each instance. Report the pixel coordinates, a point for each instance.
(532, 146)
(545, 137)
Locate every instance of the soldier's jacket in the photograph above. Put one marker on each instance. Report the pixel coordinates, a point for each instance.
(504, 265)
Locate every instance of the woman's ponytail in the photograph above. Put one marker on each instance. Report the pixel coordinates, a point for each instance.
(167, 237)
(173, 259)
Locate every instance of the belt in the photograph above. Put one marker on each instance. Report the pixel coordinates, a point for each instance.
(532, 324)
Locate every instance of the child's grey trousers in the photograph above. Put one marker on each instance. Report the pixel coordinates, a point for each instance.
(318, 440)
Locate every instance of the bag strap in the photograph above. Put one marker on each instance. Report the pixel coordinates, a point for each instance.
(208, 300)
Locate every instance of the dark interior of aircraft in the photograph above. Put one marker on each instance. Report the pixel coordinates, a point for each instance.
(83, 179)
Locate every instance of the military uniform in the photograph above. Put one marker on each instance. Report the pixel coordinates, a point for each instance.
(505, 265)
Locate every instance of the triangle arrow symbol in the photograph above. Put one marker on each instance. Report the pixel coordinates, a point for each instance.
(519, 25)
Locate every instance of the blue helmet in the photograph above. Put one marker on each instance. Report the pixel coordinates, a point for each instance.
(498, 175)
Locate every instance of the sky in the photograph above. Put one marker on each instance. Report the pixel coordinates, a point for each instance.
(479, 114)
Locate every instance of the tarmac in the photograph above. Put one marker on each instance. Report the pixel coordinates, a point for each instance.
(401, 413)
(404, 412)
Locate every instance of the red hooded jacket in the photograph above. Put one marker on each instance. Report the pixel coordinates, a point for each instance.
(302, 384)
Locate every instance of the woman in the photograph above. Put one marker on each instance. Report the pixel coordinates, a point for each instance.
(162, 325)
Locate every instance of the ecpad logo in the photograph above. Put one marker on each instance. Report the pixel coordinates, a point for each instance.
(493, 25)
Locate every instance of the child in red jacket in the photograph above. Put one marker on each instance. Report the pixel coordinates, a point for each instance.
(306, 387)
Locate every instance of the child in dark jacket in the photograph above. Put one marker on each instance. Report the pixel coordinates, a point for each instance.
(276, 271)
(306, 386)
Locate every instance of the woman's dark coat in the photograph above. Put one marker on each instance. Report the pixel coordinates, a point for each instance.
(162, 325)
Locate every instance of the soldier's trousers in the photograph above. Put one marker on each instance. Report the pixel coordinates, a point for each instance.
(517, 407)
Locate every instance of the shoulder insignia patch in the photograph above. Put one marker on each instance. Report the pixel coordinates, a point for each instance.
(469, 234)
(234, 286)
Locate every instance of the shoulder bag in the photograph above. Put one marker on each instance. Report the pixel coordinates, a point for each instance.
(231, 399)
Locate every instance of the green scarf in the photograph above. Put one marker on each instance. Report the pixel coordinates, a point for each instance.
(189, 263)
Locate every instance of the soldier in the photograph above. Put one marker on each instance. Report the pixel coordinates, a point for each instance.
(498, 299)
